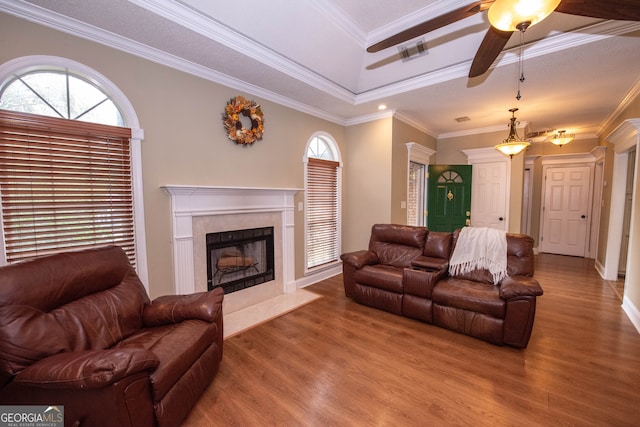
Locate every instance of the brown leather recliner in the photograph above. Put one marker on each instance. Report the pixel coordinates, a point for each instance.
(405, 271)
(77, 329)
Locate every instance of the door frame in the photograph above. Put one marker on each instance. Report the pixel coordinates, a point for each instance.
(491, 155)
(623, 138)
(418, 154)
(578, 159)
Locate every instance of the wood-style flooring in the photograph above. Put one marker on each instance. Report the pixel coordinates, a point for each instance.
(334, 362)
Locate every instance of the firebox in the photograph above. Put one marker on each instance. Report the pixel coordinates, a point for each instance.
(240, 259)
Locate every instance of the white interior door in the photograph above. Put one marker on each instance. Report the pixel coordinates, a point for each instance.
(489, 195)
(565, 215)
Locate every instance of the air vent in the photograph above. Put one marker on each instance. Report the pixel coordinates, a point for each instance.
(462, 119)
(413, 50)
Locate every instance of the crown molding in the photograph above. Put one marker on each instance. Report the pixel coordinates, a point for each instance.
(408, 120)
(216, 31)
(370, 117)
(476, 131)
(342, 21)
(633, 93)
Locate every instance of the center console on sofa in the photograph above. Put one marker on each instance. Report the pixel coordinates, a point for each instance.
(405, 271)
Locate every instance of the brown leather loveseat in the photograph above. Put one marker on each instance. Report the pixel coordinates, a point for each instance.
(77, 329)
(405, 271)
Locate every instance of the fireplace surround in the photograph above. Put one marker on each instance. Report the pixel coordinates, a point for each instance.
(199, 210)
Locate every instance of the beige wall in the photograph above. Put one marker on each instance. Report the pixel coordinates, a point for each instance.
(367, 189)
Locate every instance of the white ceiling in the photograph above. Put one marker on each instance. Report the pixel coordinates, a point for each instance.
(311, 55)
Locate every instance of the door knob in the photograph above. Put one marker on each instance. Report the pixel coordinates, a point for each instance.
(583, 216)
(500, 219)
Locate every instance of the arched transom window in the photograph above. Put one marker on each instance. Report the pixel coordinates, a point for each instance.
(59, 93)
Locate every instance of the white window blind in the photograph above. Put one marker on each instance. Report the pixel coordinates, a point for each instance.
(322, 212)
(64, 185)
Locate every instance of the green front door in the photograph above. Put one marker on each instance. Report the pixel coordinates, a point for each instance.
(449, 197)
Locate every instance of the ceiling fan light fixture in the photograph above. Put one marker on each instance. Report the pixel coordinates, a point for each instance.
(561, 138)
(518, 15)
(513, 144)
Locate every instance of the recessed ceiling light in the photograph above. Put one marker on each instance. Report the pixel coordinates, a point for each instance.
(382, 107)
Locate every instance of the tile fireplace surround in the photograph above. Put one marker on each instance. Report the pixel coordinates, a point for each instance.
(198, 210)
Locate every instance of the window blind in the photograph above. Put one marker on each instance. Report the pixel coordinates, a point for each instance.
(64, 185)
(322, 212)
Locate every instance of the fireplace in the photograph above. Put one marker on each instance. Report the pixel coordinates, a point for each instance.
(240, 259)
(200, 210)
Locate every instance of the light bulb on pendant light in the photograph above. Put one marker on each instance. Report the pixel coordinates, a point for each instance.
(513, 144)
(512, 15)
(561, 138)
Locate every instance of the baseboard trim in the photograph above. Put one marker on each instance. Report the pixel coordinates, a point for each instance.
(317, 276)
(632, 312)
(599, 268)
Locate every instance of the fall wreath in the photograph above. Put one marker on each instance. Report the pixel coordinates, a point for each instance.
(231, 119)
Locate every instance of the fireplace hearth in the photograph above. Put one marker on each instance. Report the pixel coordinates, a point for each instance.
(240, 259)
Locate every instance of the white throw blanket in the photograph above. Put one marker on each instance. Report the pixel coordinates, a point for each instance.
(480, 248)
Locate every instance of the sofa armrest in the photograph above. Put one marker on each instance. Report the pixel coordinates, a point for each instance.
(519, 286)
(171, 309)
(87, 369)
(359, 259)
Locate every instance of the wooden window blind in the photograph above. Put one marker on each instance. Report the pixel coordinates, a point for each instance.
(322, 212)
(64, 185)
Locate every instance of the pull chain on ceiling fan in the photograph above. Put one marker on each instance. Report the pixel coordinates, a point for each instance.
(520, 64)
(507, 16)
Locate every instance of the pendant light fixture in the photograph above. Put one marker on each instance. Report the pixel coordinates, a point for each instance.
(512, 15)
(561, 138)
(513, 144)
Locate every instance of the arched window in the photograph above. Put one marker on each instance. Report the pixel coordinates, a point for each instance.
(66, 161)
(322, 201)
(59, 93)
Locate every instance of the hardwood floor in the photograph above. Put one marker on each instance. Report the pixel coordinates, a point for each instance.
(334, 362)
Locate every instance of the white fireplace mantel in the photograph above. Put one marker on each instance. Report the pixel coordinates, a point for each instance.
(188, 201)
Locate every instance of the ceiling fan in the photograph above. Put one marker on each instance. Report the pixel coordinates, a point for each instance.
(508, 16)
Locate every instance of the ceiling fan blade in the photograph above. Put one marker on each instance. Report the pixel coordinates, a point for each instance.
(431, 25)
(623, 10)
(491, 46)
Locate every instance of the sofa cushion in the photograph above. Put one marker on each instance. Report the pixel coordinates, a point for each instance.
(469, 295)
(381, 276)
(397, 245)
(520, 256)
(438, 245)
(176, 346)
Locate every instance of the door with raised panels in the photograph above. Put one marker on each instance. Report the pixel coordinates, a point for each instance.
(565, 214)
